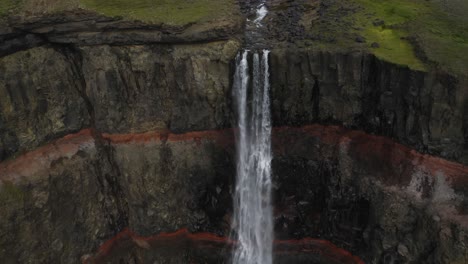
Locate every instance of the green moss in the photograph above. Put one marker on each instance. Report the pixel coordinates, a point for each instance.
(9, 193)
(173, 12)
(7, 5)
(417, 33)
(440, 36)
(393, 47)
(392, 36)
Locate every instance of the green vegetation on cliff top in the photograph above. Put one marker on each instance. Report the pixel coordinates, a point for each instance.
(6, 5)
(416, 33)
(438, 35)
(171, 12)
(392, 36)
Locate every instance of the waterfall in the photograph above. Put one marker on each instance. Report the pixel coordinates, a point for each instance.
(253, 217)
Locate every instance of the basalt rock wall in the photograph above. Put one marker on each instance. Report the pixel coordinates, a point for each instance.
(48, 92)
(187, 87)
(61, 201)
(424, 110)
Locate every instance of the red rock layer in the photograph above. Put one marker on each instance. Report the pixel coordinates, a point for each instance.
(387, 160)
(214, 244)
(40, 159)
(382, 157)
(31, 163)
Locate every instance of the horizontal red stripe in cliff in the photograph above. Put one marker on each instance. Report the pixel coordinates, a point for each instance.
(382, 157)
(184, 239)
(220, 136)
(30, 163)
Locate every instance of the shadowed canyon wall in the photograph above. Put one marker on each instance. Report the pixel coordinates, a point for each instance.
(114, 135)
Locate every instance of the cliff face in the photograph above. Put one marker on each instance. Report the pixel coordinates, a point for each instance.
(370, 195)
(49, 92)
(40, 100)
(424, 110)
(61, 201)
(367, 194)
(109, 125)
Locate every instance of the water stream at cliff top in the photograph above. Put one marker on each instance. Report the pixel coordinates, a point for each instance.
(253, 217)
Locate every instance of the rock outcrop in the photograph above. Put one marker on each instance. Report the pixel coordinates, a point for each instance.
(88, 28)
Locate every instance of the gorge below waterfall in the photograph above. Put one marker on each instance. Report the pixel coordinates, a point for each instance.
(234, 131)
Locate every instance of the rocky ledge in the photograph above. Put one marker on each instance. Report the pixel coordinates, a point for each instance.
(88, 28)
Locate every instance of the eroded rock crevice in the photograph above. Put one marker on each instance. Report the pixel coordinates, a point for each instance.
(109, 175)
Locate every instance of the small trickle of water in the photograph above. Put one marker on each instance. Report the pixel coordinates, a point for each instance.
(262, 11)
(253, 217)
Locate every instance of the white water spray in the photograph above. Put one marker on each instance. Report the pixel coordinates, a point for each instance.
(253, 217)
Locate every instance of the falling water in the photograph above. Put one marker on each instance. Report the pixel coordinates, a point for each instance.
(253, 220)
(262, 11)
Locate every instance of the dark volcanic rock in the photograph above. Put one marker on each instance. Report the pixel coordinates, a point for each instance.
(360, 39)
(369, 195)
(63, 200)
(49, 92)
(39, 100)
(81, 27)
(180, 88)
(357, 90)
(364, 193)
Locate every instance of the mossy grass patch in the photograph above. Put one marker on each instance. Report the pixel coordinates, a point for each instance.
(171, 12)
(406, 28)
(7, 5)
(420, 34)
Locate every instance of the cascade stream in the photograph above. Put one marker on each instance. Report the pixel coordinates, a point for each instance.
(253, 219)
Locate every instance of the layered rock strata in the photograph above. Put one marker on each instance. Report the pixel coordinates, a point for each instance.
(331, 183)
(108, 125)
(48, 92)
(88, 28)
